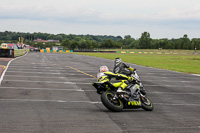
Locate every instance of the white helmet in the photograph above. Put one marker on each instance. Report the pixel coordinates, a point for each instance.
(103, 69)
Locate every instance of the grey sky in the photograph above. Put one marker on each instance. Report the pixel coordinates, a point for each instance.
(161, 18)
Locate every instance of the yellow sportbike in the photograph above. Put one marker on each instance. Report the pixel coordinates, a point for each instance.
(131, 98)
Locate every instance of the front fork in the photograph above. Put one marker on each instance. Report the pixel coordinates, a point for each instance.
(142, 90)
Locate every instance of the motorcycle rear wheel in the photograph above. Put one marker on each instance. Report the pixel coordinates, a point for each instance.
(146, 104)
(115, 105)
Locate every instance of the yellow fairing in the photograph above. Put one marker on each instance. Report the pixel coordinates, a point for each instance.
(124, 85)
(109, 72)
(117, 84)
(120, 84)
(103, 79)
(130, 68)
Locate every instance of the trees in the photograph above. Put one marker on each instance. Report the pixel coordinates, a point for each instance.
(145, 41)
(73, 45)
(66, 43)
(186, 42)
(128, 41)
(195, 43)
(82, 42)
(108, 43)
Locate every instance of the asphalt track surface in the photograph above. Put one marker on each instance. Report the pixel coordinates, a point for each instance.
(52, 93)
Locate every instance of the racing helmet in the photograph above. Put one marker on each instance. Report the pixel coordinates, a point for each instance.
(117, 62)
(103, 69)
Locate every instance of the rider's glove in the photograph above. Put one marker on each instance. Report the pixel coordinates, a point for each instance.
(130, 79)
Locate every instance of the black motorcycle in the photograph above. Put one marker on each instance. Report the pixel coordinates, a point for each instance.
(133, 97)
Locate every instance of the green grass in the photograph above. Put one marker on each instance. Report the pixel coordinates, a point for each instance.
(155, 50)
(186, 63)
(19, 52)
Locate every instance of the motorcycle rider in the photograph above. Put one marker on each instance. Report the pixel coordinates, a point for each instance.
(105, 75)
(123, 68)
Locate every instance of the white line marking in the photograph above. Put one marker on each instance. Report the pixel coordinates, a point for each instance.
(173, 93)
(43, 70)
(196, 75)
(162, 74)
(187, 81)
(53, 89)
(94, 102)
(144, 77)
(29, 67)
(35, 68)
(91, 83)
(154, 73)
(21, 72)
(21, 76)
(45, 82)
(33, 72)
(38, 100)
(174, 81)
(2, 76)
(40, 81)
(168, 86)
(177, 104)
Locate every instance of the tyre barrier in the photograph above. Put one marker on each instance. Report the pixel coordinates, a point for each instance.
(56, 51)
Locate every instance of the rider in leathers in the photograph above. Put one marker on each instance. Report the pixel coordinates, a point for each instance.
(123, 68)
(106, 75)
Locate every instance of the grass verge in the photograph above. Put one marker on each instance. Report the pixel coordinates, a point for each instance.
(20, 52)
(186, 63)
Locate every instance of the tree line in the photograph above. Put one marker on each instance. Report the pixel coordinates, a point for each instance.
(91, 42)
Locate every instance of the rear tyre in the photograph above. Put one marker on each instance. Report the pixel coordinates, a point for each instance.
(114, 105)
(146, 104)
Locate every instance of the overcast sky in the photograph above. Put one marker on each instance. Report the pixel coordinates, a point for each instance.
(161, 18)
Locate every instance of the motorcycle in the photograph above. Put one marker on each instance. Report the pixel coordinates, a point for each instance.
(133, 97)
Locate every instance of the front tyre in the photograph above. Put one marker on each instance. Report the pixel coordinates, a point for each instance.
(114, 105)
(146, 104)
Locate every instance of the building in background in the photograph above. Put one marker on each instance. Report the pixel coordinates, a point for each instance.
(57, 48)
(40, 40)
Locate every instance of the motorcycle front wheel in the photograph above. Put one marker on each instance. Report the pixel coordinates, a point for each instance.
(110, 102)
(147, 104)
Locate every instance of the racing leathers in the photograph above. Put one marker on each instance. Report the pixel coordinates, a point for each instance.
(121, 79)
(123, 68)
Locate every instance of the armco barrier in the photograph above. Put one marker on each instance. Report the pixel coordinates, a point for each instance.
(96, 51)
(55, 51)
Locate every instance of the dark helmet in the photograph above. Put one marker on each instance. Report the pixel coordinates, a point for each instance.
(117, 62)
